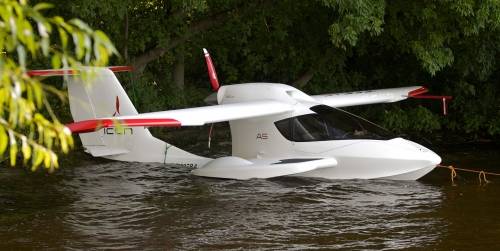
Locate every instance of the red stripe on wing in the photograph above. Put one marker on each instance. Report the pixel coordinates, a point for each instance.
(51, 72)
(121, 68)
(93, 125)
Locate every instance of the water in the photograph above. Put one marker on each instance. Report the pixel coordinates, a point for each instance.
(97, 204)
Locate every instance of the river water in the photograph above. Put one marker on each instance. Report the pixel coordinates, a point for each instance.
(98, 204)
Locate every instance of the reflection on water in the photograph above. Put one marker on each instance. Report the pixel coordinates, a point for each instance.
(113, 205)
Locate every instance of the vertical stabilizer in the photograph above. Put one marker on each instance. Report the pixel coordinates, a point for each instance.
(100, 95)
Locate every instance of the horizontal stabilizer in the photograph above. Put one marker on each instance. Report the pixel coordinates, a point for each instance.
(241, 169)
(70, 72)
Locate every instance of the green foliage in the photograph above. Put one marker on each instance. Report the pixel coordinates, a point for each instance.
(478, 109)
(450, 46)
(26, 35)
(354, 19)
(148, 95)
(416, 120)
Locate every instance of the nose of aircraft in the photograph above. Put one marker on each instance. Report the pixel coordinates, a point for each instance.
(434, 158)
(421, 152)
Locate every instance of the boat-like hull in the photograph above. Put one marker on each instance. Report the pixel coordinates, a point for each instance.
(396, 159)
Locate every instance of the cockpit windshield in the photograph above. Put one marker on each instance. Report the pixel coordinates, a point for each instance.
(329, 123)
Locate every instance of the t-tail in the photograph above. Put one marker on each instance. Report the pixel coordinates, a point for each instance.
(98, 97)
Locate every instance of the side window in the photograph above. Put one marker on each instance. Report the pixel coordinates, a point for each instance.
(285, 128)
(310, 128)
(304, 128)
(329, 124)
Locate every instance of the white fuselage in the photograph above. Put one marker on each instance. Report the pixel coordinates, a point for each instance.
(259, 148)
(259, 138)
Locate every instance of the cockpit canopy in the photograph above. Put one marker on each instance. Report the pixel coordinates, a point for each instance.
(327, 123)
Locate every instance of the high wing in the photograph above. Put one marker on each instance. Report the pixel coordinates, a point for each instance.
(369, 97)
(186, 117)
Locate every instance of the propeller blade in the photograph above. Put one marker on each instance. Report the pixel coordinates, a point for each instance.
(211, 71)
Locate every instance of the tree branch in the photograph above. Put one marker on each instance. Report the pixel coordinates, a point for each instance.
(304, 79)
(140, 62)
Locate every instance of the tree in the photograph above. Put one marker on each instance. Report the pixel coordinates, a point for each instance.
(28, 124)
(319, 46)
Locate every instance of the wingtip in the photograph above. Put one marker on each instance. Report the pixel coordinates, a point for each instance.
(418, 91)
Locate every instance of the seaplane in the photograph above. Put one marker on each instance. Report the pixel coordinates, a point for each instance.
(277, 130)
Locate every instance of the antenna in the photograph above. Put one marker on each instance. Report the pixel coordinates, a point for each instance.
(211, 71)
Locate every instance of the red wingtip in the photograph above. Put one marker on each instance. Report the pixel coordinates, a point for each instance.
(418, 91)
(211, 71)
(417, 94)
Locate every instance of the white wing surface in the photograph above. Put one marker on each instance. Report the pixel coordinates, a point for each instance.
(369, 97)
(187, 117)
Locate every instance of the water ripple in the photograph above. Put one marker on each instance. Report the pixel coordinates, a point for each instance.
(130, 206)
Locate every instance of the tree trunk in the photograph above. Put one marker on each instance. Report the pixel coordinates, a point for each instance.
(179, 69)
(125, 39)
(304, 79)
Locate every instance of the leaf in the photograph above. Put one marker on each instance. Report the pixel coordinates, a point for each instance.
(38, 158)
(37, 90)
(43, 6)
(80, 24)
(63, 36)
(21, 53)
(56, 61)
(25, 149)
(47, 161)
(3, 140)
(55, 161)
(78, 40)
(44, 44)
(13, 148)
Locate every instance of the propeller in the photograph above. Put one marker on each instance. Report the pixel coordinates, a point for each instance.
(212, 99)
(211, 71)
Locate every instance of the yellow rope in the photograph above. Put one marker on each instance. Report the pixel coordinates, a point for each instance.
(453, 174)
(482, 174)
